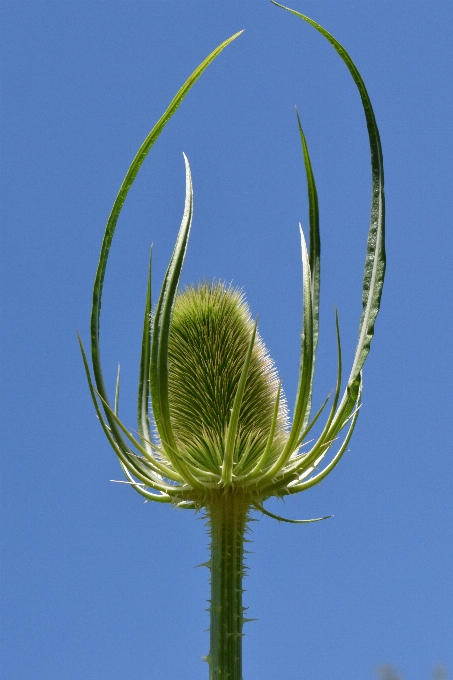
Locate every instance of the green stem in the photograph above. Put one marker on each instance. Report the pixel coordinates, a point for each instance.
(227, 514)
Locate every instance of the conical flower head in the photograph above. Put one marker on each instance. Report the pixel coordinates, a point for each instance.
(210, 335)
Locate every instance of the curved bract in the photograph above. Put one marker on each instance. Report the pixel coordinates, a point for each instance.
(219, 420)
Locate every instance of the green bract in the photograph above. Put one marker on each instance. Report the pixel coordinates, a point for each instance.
(218, 434)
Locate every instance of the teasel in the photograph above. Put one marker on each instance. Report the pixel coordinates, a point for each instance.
(213, 427)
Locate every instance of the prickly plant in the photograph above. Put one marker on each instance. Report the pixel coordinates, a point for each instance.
(213, 426)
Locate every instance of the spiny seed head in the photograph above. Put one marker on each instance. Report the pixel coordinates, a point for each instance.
(209, 337)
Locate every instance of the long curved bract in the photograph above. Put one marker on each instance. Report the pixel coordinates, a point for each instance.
(373, 279)
(116, 209)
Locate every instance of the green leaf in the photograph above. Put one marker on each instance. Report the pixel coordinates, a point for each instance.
(319, 477)
(161, 334)
(156, 466)
(305, 370)
(143, 382)
(290, 521)
(131, 461)
(373, 278)
(324, 436)
(332, 429)
(307, 353)
(306, 465)
(157, 498)
(118, 204)
(314, 255)
(263, 458)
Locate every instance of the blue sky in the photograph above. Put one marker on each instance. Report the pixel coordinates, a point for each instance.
(97, 584)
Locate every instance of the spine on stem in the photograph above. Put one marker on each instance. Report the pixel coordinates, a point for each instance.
(227, 514)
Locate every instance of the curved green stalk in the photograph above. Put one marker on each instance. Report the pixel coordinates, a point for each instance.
(290, 521)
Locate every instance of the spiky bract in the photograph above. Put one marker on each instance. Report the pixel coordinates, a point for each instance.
(209, 337)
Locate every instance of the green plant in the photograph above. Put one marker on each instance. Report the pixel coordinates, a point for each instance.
(221, 439)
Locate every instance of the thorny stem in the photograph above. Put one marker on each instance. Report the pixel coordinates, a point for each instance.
(227, 513)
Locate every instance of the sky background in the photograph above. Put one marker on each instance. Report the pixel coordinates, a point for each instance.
(97, 584)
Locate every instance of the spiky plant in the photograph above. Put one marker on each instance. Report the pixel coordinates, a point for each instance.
(217, 435)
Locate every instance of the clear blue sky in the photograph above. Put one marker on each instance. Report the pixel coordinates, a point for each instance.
(97, 584)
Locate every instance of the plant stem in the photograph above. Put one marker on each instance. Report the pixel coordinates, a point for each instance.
(227, 514)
